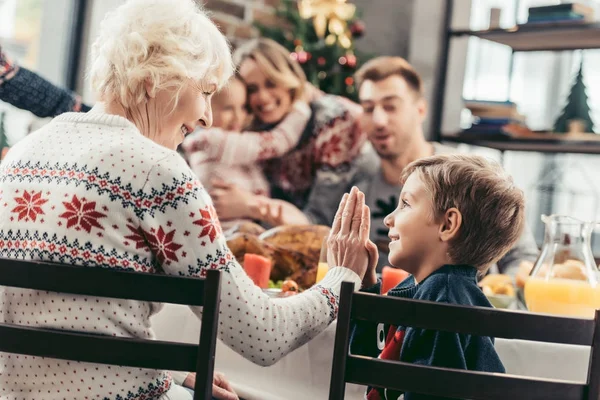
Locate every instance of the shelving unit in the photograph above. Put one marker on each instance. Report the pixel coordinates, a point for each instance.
(542, 37)
(521, 38)
(505, 143)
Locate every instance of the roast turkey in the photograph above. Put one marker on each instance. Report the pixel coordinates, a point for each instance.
(293, 249)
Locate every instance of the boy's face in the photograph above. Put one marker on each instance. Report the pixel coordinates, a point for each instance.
(413, 232)
(229, 107)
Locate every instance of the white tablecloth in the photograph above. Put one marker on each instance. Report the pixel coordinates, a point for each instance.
(304, 374)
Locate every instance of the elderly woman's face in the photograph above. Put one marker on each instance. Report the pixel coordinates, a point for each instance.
(193, 110)
(268, 101)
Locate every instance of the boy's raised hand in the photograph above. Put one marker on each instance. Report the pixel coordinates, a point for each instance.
(370, 278)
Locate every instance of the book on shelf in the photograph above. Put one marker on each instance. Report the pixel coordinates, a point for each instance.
(489, 110)
(493, 113)
(554, 18)
(566, 7)
(487, 105)
(478, 120)
(560, 13)
(490, 117)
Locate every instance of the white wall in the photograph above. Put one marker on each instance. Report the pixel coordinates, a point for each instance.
(95, 15)
(426, 40)
(388, 24)
(55, 33)
(54, 37)
(7, 22)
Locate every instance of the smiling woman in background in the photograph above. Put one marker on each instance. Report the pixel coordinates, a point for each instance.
(318, 150)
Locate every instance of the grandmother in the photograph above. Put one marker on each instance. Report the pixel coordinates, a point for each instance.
(107, 189)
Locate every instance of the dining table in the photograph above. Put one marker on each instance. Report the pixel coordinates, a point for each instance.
(305, 372)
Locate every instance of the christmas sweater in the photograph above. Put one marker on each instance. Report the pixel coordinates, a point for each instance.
(91, 190)
(453, 284)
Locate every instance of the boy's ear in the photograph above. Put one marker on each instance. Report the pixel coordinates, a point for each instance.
(451, 223)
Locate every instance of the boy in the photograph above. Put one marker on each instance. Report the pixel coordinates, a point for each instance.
(457, 215)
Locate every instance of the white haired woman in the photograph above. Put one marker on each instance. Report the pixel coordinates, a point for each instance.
(107, 189)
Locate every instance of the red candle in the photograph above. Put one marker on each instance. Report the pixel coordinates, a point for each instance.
(258, 269)
(391, 277)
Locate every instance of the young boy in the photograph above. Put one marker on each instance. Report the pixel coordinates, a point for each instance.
(230, 117)
(457, 215)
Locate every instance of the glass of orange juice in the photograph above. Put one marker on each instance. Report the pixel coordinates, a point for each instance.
(322, 267)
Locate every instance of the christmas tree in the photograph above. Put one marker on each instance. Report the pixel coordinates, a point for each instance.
(320, 35)
(577, 108)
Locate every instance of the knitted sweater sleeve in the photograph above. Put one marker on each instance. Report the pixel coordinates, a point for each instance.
(178, 222)
(27, 90)
(235, 148)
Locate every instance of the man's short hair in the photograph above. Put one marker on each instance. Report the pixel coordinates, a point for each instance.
(381, 68)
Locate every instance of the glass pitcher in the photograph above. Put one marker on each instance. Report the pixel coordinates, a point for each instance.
(564, 279)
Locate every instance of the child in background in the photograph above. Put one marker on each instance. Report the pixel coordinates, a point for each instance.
(457, 215)
(230, 116)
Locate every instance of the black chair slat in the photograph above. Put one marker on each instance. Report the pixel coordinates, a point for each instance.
(101, 282)
(205, 362)
(455, 383)
(111, 283)
(127, 352)
(479, 321)
(452, 383)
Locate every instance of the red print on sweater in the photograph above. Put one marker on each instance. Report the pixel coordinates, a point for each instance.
(138, 237)
(82, 214)
(330, 150)
(29, 205)
(210, 223)
(162, 245)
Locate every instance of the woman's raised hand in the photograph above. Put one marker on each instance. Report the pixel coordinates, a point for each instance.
(347, 241)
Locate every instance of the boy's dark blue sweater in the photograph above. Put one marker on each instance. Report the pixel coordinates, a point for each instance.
(453, 284)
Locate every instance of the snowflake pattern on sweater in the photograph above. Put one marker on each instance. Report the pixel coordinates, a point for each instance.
(89, 189)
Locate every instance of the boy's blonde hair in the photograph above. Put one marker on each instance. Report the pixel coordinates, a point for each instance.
(274, 60)
(492, 207)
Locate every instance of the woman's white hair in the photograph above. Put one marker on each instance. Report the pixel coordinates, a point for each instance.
(158, 43)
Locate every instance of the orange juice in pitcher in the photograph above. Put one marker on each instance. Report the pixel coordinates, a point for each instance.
(562, 296)
(564, 279)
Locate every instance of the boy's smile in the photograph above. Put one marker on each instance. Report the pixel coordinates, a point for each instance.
(414, 233)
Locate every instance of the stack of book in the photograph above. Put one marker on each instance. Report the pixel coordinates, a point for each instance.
(561, 13)
(489, 117)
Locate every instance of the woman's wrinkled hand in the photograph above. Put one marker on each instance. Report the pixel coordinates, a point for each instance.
(222, 390)
(347, 241)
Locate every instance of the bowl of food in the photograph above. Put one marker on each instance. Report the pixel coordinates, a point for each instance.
(499, 290)
(282, 288)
